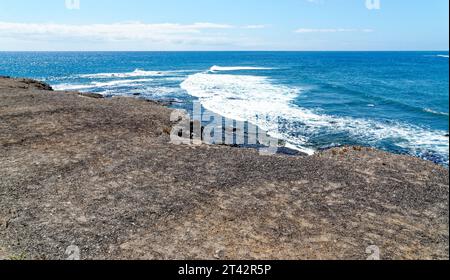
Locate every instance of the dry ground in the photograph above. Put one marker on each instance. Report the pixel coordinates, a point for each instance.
(101, 175)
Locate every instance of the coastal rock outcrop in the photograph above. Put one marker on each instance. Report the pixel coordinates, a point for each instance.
(100, 175)
(8, 82)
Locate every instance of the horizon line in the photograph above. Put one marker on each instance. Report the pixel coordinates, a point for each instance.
(419, 50)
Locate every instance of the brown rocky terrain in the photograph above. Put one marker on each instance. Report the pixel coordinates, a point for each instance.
(101, 175)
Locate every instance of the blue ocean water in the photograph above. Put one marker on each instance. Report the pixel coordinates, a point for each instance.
(395, 101)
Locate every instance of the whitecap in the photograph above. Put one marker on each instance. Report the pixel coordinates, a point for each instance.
(245, 98)
(96, 85)
(135, 73)
(216, 68)
(62, 87)
(428, 110)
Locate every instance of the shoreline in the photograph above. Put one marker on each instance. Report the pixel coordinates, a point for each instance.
(284, 147)
(100, 174)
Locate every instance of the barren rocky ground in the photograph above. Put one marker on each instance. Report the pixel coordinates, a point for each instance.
(101, 175)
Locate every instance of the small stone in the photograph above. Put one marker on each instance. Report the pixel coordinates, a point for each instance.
(220, 254)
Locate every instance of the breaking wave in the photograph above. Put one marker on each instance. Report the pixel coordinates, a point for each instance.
(244, 98)
(435, 112)
(216, 68)
(96, 85)
(135, 73)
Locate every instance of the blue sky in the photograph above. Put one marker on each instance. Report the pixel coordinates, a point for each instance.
(224, 25)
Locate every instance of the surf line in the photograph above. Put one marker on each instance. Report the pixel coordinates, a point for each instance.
(219, 130)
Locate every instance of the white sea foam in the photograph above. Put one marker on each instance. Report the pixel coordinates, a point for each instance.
(135, 73)
(71, 87)
(94, 85)
(216, 68)
(435, 112)
(443, 55)
(157, 91)
(244, 98)
(146, 92)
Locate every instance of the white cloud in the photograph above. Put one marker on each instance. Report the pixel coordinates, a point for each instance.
(256, 26)
(315, 1)
(128, 31)
(167, 36)
(331, 30)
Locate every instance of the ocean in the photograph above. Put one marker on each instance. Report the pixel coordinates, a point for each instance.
(394, 101)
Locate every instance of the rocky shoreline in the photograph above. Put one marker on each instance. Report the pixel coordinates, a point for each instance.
(79, 172)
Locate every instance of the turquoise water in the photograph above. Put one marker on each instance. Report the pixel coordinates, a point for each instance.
(395, 101)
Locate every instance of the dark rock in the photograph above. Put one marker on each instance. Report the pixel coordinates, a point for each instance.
(92, 95)
(287, 151)
(36, 84)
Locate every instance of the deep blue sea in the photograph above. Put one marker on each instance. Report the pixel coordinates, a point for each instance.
(395, 101)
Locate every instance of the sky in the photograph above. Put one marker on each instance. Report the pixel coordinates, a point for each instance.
(174, 25)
